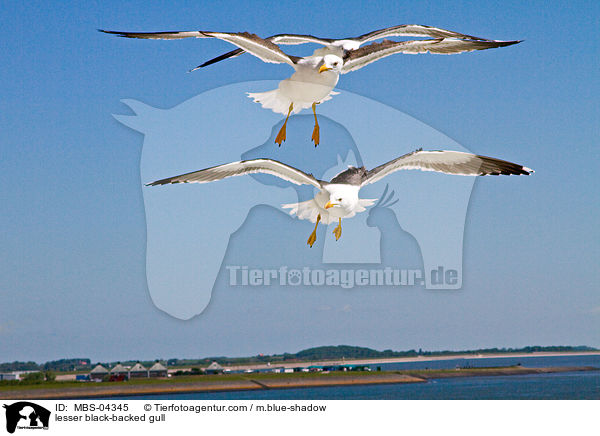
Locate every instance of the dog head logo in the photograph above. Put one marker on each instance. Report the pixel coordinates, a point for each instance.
(27, 415)
(189, 227)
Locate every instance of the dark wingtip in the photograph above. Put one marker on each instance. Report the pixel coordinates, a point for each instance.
(210, 62)
(113, 32)
(161, 182)
(507, 43)
(207, 63)
(224, 56)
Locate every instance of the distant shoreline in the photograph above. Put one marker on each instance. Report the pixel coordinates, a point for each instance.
(420, 358)
(265, 381)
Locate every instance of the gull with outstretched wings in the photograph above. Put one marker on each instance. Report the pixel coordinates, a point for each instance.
(338, 198)
(316, 75)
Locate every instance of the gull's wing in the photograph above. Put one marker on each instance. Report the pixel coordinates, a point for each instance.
(402, 30)
(295, 39)
(263, 49)
(158, 35)
(284, 39)
(413, 30)
(449, 162)
(265, 166)
(357, 59)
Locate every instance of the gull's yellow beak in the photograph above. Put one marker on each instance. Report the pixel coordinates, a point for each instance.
(323, 68)
(329, 205)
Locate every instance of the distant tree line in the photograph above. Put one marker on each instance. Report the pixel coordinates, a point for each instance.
(67, 365)
(61, 365)
(19, 366)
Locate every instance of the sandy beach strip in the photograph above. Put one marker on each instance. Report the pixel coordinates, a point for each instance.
(421, 358)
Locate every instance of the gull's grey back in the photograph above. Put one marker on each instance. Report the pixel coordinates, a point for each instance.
(352, 176)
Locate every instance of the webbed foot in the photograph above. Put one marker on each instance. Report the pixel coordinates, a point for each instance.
(313, 236)
(338, 230)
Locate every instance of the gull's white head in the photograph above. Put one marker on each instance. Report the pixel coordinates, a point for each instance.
(332, 63)
(343, 199)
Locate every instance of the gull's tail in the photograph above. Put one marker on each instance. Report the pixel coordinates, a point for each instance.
(308, 210)
(280, 103)
(273, 100)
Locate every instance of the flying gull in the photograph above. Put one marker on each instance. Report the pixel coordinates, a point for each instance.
(316, 75)
(338, 198)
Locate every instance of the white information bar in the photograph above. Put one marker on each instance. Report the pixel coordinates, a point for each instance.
(290, 417)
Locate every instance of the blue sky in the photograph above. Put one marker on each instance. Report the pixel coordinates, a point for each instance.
(73, 271)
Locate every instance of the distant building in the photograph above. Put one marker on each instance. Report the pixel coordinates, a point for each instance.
(98, 373)
(214, 368)
(157, 370)
(282, 369)
(119, 373)
(9, 376)
(138, 371)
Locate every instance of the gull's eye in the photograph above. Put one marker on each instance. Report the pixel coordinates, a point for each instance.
(339, 199)
(335, 64)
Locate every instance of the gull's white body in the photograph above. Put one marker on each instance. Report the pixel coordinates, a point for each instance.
(345, 197)
(306, 86)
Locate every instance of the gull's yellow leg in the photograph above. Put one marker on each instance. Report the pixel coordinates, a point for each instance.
(338, 230)
(313, 236)
(281, 135)
(315, 136)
